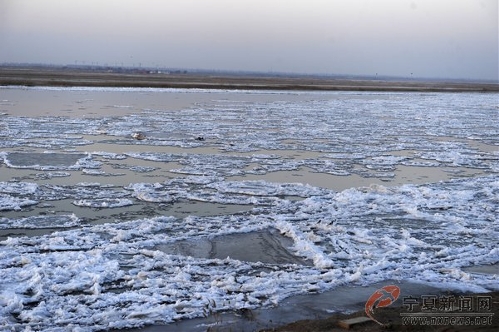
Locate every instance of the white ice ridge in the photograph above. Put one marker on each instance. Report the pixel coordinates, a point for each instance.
(114, 275)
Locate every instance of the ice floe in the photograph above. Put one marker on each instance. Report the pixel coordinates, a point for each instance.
(103, 202)
(8, 202)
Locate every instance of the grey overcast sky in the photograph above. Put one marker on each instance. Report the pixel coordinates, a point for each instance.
(429, 38)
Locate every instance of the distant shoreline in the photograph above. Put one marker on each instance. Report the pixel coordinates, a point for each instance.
(137, 78)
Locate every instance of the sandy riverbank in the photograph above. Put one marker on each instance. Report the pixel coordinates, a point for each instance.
(53, 76)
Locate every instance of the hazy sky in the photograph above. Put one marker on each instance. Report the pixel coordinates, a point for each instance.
(429, 38)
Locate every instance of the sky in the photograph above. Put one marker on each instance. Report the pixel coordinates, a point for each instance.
(407, 38)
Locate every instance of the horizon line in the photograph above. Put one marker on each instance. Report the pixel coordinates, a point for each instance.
(270, 73)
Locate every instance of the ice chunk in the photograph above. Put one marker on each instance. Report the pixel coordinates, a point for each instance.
(8, 202)
(103, 202)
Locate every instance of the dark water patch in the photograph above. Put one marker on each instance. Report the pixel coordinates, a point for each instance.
(483, 269)
(183, 209)
(25, 160)
(267, 246)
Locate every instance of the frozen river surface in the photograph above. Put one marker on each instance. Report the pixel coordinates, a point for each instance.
(235, 200)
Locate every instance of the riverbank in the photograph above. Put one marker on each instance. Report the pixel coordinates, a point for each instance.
(395, 319)
(115, 77)
(332, 311)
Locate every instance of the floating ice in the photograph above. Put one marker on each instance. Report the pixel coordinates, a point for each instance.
(19, 188)
(48, 221)
(133, 268)
(8, 202)
(152, 193)
(109, 155)
(16, 195)
(97, 172)
(51, 175)
(103, 202)
(263, 188)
